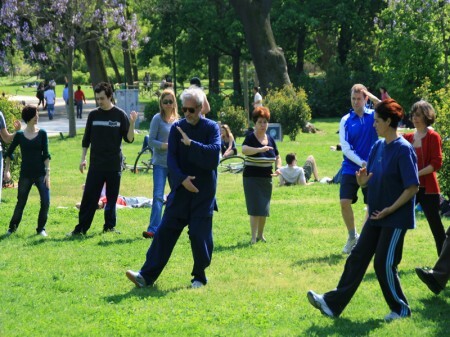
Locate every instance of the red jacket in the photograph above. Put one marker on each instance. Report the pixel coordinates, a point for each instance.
(431, 151)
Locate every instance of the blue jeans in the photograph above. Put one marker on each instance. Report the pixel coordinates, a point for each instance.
(159, 182)
(23, 191)
(50, 110)
(79, 108)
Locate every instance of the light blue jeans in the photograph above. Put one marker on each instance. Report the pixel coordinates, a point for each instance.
(159, 182)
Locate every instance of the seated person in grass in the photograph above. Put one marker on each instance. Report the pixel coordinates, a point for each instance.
(291, 174)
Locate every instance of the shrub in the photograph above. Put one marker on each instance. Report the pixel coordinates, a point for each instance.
(151, 109)
(80, 78)
(288, 106)
(12, 111)
(234, 116)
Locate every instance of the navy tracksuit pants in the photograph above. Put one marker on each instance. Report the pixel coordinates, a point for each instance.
(387, 246)
(170, 229)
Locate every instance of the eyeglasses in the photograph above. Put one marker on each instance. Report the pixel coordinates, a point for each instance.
(167, 101)
(191, 110)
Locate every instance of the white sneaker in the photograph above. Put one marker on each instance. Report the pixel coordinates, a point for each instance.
(392, 316)
(197, 284)
(318, 302)
(351, 242)
(8, 233)
(43, 233)
(136, 278)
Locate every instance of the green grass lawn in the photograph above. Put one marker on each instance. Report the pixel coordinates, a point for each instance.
(59, 286)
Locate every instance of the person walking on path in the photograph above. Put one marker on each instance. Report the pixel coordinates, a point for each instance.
(106, 126)
(158, 140)
(357, 135)
(392, 180)
(34, 169)
(66, 98)
(192, 159)
(79, 99)
(50, 98)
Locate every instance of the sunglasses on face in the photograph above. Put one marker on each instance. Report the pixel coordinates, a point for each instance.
(167, 101)
(191, 110)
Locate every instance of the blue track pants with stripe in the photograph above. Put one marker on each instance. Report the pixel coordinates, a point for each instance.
(387, 246)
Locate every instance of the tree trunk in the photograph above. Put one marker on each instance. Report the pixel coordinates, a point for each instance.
(344, 43)
(114, 65)
(127, 63)
(213, 73)
(134, 67)
(268, 58)
(301, 37)
(236, 69)
(72, 122)
(95, 63)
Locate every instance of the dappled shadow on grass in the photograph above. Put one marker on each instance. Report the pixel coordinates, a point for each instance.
(436, 310)
(345, 327)
(332, 259)
(105, 243)
(238, 245)
(143, 293)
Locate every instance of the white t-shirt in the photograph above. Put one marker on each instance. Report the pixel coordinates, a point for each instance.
(293, 174)
(49, 96)
(257, 98)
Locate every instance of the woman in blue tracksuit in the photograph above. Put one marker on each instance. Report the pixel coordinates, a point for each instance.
(392, 181)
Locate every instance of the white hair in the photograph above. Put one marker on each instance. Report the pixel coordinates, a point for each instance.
(196, 94)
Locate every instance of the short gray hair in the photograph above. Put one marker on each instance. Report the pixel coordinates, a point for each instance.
(196, 94)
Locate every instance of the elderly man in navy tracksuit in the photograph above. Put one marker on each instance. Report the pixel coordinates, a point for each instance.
(193, 156)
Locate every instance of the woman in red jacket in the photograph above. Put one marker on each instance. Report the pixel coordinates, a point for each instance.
(428, 146)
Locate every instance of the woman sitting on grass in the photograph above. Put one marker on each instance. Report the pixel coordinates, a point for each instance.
(34, 170)
(228, 145)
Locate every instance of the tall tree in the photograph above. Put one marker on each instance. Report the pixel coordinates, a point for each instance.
(411, 48)
(63, 26)
(268, 58)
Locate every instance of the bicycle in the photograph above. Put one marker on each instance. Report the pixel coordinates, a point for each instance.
(143, 162)
(231, 164)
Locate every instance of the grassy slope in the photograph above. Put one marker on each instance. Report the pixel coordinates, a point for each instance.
(65, 287)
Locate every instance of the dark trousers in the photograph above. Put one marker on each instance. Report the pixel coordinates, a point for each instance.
(79, 106)
(91, 195)
(200, 235)
(23, 191)
(441, 270)
(430, 206)
(387, 246)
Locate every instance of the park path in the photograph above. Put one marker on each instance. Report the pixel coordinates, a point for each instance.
(60, 122)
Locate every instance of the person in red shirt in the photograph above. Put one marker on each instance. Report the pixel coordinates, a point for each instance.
(428, 146)
(79, 99)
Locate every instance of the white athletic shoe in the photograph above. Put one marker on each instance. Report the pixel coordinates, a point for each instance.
(318, 302)
(197, 284)
(392, 316)
(136, 278)
(351, 242)
(43, 233)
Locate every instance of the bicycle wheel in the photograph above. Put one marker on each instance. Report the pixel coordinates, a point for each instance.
(231, 164)
(143, 161)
